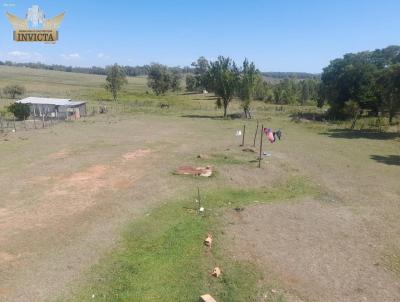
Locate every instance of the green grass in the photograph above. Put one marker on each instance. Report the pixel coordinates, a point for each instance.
(162, 256)
(222, 159)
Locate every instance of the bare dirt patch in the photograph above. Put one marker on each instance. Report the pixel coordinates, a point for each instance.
(136, 154)
(319, 252)
(68, 195)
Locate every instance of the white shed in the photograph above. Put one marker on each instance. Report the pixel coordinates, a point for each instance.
(59, 108)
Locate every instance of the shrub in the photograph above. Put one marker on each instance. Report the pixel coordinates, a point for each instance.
(13, 91)
(20, 111)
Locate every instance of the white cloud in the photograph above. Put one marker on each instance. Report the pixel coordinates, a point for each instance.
(71, 56)
(19, 56)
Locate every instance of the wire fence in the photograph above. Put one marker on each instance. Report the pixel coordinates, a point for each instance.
(11, 124)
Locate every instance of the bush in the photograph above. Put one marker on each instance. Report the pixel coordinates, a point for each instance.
(12, 91)
(20, 111)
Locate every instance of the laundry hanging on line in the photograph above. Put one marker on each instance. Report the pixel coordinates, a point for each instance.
(272, 135)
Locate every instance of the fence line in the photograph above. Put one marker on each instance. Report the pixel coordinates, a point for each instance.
(35, 123)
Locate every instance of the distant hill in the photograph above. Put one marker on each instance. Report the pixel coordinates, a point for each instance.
(143, 70)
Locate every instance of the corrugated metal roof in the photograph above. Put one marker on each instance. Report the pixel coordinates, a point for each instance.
(49, 101)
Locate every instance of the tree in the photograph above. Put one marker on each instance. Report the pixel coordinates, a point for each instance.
(201, 67)
(176, 78)
(263, 90)
(388, 83)
(352, 109)
(350, 78)
(190, 82)
(20, 111)
(224, 78)
(304, 92)
(13, 91)
(116, 79)
(354, 77)
(159, 78)
(247, 84)
(286, 92)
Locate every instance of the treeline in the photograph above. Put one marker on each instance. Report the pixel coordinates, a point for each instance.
(143, 70)
(228, 80)
(132, 71)
(366, 81)
(286, 91)
(291, 75)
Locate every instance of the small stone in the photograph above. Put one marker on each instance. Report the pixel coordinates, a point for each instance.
(208, 240)
(216, 272)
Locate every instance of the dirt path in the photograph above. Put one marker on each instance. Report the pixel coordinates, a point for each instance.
(335, 248)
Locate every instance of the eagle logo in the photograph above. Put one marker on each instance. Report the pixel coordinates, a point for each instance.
(35, 27)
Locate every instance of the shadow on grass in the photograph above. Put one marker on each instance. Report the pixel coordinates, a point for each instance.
(232, 116)
(208, 98)
(355, 134)
(213, 117)
(310, 116)
(393, 160)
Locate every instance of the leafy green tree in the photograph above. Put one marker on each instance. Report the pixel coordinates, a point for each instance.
(388, 83)
(20, 111)
(247, 84)
(14, 91)
(175, 79)
(350, 78)
(115, 80)
(285, 92)
(263, 90)
(224, 79)
(190, 82)
(304, 92)
(201, 67)
(159, 78)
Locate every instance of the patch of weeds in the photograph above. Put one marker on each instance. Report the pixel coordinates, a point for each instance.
(392, 261)
(293, 188)
(162, 256)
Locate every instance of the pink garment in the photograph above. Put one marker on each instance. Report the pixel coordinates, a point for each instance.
(270, 134)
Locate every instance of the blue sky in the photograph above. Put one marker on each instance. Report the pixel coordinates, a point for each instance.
(284, 35)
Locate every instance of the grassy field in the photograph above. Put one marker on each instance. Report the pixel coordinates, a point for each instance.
(92, 211)
(165, 252)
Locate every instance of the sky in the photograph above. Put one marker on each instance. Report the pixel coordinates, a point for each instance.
(284, 35)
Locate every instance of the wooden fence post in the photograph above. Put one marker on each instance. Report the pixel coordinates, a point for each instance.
(255, 135)
(198, 197)
(244, 132)
(261, 143)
